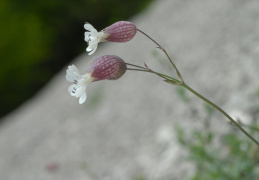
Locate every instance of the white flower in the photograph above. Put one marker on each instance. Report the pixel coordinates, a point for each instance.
(78, 89)
(121, 31)
(93, 37)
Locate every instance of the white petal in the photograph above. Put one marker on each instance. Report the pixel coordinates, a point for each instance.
(80, 90)
(93, 50)
(92, 46)
(68, 71)
(71, 89)
(88, 49)
(87, 36)
(88, 26)
(73, 73)
(83, 98)
(73, 68)
(93, 39)
(87, 33)
(71, 77)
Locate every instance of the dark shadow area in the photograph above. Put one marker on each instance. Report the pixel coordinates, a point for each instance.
(39, 37)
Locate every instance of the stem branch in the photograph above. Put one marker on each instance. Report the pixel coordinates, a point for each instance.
(163, 49)
(182, 83)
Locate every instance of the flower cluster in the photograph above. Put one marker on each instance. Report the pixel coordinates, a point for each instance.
(109, 67)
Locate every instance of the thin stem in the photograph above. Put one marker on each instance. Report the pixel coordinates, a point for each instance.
(136, 66)
(163, 49)
(151, 71)
(133, 69)
(166, 77)
(220, 110)
(182, 83)
(150, 38)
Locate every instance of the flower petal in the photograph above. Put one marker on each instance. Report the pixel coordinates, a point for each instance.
(88, 27)
(72, 73)
(93, 50)
(73, 68)
(71, 77)
(87, 36)
(88, 49)
(79, 91)
(72, 89)
(83, 98)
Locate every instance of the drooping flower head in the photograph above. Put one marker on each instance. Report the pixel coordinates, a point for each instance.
(107, 67)
(104, 67)
(121, 31)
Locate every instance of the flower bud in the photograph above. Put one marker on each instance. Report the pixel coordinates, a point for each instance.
(107, 67)
(121, 31)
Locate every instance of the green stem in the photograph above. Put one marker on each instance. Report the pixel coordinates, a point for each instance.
(166, 77)
(136, 66)
(163, 49)
(133, 69)
(220, 110)
(182, 83)
(144, 69)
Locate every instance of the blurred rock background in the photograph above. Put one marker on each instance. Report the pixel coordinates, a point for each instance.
(125, 130)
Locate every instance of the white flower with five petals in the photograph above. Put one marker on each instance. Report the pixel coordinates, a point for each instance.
(78, 89)
(93, 37)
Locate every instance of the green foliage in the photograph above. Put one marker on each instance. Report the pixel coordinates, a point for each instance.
(237, 157)
(140, 178)
(39, 37)
(234, 158)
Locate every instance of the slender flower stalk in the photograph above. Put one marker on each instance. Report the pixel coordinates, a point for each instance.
(220, 110)
(181, 82)
(168, 79)
(163, 49)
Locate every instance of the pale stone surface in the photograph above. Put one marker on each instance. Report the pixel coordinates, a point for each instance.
(125, 129)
